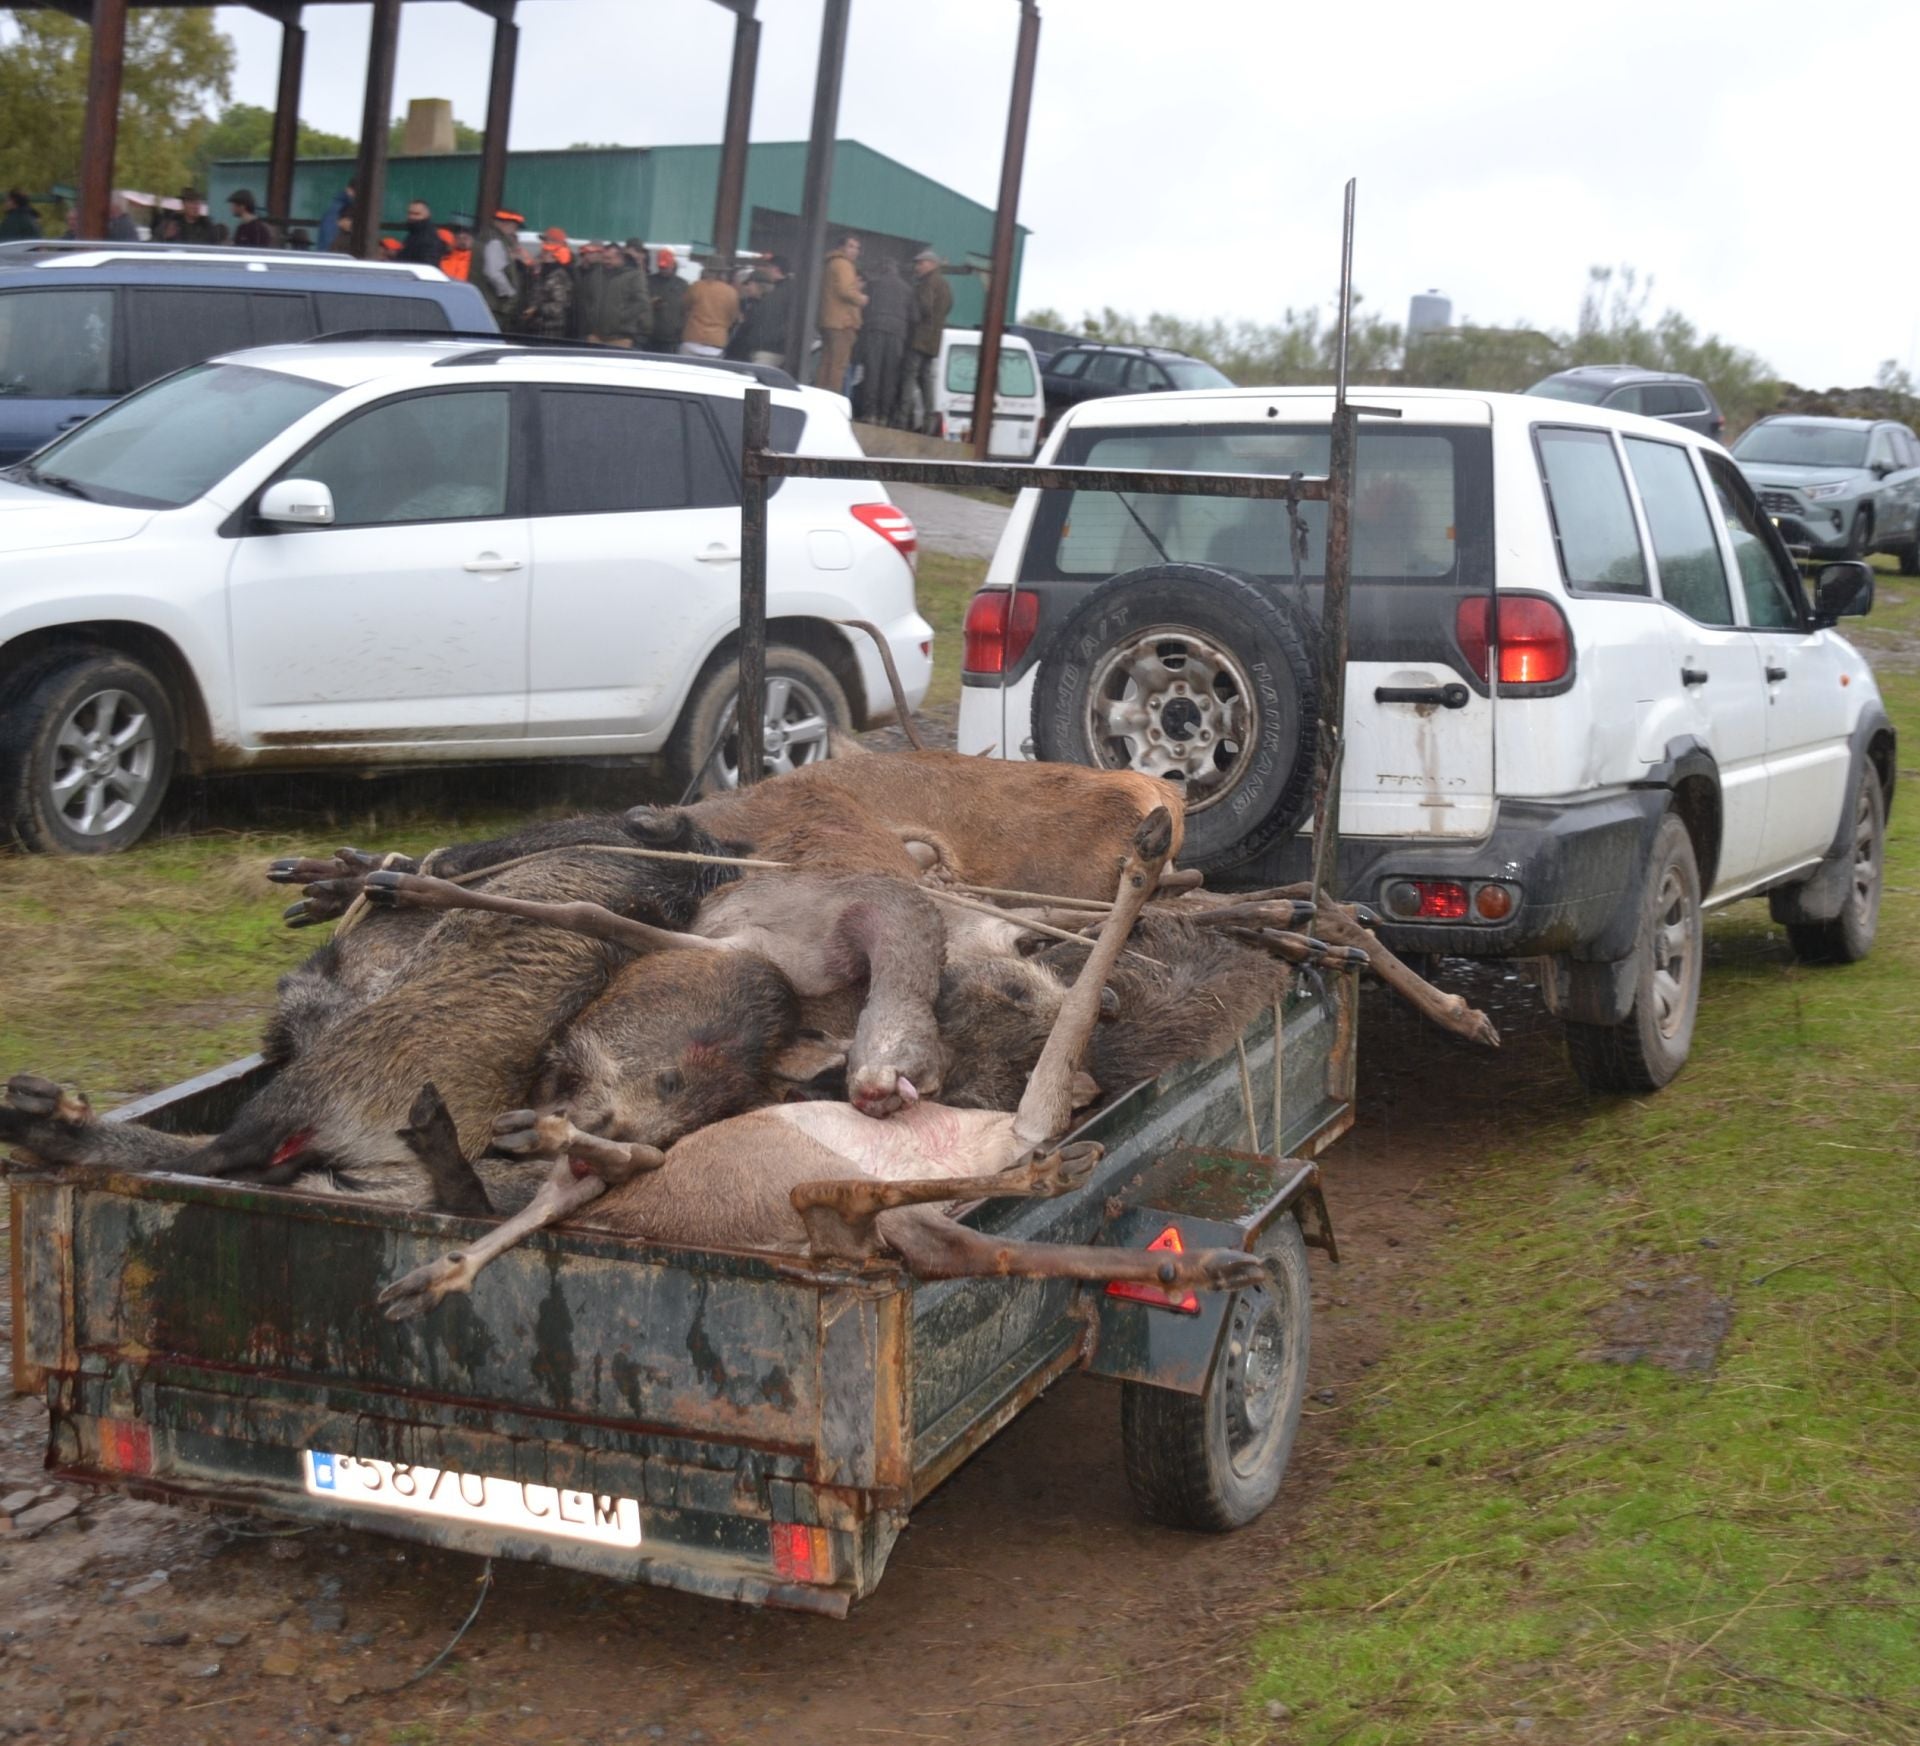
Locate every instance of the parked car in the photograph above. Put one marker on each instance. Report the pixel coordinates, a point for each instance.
(394, 551)
(1563, 744)
(83, 323)
(1682, 400)
(1839, 486)
(1094, 372)
(1047, 342)
(1017, 405)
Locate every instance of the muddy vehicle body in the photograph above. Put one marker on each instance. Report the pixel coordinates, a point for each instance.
(747, 1426)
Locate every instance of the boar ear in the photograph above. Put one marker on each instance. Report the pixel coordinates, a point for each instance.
(1084, 1090)
(808, 1056)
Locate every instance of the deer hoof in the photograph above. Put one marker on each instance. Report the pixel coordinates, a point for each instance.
(1065, 1169)
(302, 870)
(423, 1288)
(532, 1133)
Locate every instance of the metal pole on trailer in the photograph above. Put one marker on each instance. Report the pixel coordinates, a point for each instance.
(750, 711)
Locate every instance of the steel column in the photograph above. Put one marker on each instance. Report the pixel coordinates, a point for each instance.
(750, 712)
(733, 145)
(986, 388)
(376, 119)
(286, 119)
(106, 60)
(818, 185)
(493, 148)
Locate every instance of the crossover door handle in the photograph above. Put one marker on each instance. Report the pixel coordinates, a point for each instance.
(490, 564)
(1775, 674)
(1693, 676)
(719, 554)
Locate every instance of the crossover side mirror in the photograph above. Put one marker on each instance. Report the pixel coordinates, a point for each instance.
(298, 502)
(1880, 469)
(1843, 590)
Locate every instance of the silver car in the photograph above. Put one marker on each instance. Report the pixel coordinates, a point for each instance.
(1842, 487)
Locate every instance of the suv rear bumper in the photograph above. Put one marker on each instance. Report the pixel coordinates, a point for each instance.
(1579, 865)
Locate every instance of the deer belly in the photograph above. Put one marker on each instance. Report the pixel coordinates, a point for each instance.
(926, 1139)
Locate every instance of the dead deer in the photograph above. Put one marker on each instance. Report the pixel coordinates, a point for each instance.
(826, 1178)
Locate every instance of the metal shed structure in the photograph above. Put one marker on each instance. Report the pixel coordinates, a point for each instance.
(668, 194)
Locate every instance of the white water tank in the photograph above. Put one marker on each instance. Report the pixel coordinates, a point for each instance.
(1428, 311)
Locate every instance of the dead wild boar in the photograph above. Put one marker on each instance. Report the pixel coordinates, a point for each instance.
(826, 1178)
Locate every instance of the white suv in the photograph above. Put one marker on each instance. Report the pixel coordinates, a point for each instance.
(402, 550)
(1588, 695)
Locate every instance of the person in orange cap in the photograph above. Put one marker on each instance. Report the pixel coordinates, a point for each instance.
(551, 315)
(669, 293)
(499, 274)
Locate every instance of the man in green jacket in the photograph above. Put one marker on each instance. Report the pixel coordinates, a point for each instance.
(932, 304)
(669, 293)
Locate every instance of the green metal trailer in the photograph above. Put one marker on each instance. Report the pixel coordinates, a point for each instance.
(742, 1425)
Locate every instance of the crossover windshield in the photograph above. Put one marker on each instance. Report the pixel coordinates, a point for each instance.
(171, 443)
(1804, 445)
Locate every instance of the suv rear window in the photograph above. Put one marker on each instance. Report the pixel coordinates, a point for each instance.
(344, 311)
(1419, 493)
(56, 342)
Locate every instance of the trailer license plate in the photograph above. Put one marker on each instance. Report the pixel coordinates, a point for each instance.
(441, 1492)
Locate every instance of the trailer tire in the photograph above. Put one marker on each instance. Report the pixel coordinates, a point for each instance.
(1213, 1461)
(1224, 705)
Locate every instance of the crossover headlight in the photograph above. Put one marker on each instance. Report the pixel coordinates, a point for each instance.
(1835, 488)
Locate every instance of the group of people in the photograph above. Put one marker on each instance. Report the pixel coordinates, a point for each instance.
(890, 328)
(188, 222)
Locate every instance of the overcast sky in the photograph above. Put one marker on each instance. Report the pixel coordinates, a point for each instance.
(1188, 155)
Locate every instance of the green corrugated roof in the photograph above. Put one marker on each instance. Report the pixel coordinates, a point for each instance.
(666, 194)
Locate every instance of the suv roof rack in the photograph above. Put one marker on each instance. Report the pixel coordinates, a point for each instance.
(493, 347)
(62, 252)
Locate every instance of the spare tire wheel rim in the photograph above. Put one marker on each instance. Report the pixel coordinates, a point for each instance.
(103, 762)
(1171, 702)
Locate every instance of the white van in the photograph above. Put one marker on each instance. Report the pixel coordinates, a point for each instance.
(1017, 409)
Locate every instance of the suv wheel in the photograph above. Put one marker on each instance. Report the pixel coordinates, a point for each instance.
(1909, 554)
(805, 703)
(1849, 936)
(1649, 1046)
(85, 755)
(1195, 675)
(1860, 535)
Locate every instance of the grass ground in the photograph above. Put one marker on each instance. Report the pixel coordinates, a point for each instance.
(1537, 1534)
(944, 586)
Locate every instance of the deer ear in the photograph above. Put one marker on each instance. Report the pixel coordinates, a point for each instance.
(924, 855)
(808, 1056)
(1084, 1090)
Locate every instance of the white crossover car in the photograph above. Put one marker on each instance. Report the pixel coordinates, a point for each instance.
(402, 550)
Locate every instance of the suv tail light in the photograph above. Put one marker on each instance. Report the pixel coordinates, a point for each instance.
(1532, 635)
(892, 524)
(1000, 625)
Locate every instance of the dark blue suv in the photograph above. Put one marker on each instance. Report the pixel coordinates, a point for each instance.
(83, 323)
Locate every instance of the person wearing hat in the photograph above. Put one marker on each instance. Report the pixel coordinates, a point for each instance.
(841, 301)
(669, 293)
(551, 313)
(500, 276)
(883, 341)
(932, 304)
(189, 225)
(250, 230)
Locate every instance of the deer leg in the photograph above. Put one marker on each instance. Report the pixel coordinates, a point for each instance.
(303, 869)
(936, 1247)
(568, 1188)
(325, 900)
(413, 891)
(527, 1133)
(840, 1215)
(1046, 1108)
(432, 1138)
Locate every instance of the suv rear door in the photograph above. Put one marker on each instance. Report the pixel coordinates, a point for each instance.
(56, 362)
(1422, 543)
(636, 548)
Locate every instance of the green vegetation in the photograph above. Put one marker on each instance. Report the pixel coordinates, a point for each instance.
(944, 586)
(1528, 1541)
(1615, 327)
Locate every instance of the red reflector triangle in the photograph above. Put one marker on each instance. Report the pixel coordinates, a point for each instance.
(1167, 1242)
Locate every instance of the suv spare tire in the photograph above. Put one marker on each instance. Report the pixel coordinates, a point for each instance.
(1198, 675)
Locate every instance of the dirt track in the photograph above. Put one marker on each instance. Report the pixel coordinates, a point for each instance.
(1027, 1602)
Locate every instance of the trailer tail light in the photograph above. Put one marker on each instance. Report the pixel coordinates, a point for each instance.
(893, 525)
(1167, 1243)
(1450, 900)
(1534, 640)
(1000, 626)
(125, 1447)
(801, 1554)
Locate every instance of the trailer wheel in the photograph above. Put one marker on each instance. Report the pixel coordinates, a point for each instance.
(1196, 675)
(1211, 1462)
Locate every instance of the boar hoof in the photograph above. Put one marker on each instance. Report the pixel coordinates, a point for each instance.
(33, 1096)
(423, 1288)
